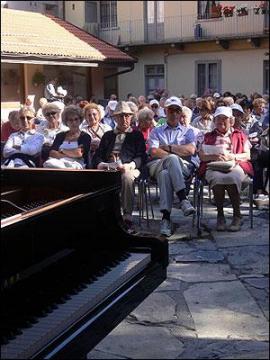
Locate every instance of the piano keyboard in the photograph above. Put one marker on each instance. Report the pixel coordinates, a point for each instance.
(33, 339)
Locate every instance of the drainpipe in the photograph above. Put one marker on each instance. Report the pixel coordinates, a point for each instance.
(120, 72)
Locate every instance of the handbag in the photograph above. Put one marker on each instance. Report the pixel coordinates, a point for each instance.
(222, 166)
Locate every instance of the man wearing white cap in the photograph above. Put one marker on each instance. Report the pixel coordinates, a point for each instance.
(171, 146)
(225, 155)
(109, 119)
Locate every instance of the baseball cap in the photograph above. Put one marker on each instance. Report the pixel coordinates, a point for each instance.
(216, 95)
(237, 107)
(154, 102)
(112, 104)
(193, 96)
(173, 101)
(223, 110)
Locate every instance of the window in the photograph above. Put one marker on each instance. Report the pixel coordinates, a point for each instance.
(208, 76)
(208, 9)
(108, 14)
(90, 12)
(266, 76)
(154, 78)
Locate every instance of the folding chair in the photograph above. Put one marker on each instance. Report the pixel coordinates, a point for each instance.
(199, 184)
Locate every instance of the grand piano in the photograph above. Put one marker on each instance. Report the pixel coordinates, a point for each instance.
(69, 271)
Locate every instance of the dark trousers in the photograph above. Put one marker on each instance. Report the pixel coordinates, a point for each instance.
(259, 162)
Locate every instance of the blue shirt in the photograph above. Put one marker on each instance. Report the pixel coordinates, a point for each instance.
(167, 135)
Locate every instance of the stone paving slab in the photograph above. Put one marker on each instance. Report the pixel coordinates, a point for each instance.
(249, 259)
(139, 342)
(200, 256)
(149, 310)
(244, 237)
(194, 272)
(225, 312)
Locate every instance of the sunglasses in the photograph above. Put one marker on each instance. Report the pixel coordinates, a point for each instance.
(172, 109)
(26, 117)
(73, 119)
(50, 113)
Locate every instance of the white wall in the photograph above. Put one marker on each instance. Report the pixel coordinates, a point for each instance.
(241, 71)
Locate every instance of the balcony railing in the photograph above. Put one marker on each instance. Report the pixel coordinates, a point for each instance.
(183, 29)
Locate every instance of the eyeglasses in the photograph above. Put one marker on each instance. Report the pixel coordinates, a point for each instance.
(26, 117)
(48, 114)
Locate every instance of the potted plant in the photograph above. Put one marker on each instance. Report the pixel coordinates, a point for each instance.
(228, 11)
(38, 78)
(242, 10)
(263, 7)
(256, 9)
(216, 11)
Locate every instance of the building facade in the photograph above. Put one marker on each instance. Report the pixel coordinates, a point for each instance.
(183, 46)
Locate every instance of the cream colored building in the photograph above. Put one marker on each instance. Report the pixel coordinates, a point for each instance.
(183, 46)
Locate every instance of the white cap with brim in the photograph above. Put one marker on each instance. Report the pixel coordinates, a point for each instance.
(193, 96)
(173, 101)
(223, 110)
(216, 95)
(112, 104)
(154, 102)
(237, 107)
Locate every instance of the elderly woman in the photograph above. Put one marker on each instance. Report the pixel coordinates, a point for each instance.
(259, 105)
(50, 127)
(204, 121)
(23, 147)
(70, 149)
(124, 149)
(135, 110)
(93, 126)
(233, 147)
(185, 120)
(146, 123)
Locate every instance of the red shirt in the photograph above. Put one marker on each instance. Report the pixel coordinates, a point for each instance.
(6, 130)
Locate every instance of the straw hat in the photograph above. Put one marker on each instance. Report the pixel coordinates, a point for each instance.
(122, 108)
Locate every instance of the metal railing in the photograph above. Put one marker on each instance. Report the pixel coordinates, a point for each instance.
(184, 28)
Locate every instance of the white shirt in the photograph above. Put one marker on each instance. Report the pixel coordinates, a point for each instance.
(30, 142)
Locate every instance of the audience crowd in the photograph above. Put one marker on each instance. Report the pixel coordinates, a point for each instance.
(221, 138)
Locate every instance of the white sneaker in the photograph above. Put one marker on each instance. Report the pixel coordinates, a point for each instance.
(165, 228)
(186, 207)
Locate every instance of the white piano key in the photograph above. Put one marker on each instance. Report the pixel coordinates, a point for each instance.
(47, 328)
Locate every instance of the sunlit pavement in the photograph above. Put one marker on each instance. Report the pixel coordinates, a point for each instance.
(214, 303)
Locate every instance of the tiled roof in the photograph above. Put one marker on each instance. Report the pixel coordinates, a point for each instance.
(111, 53)
(34, 34)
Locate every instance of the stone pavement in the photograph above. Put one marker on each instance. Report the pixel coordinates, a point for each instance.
(214, 303)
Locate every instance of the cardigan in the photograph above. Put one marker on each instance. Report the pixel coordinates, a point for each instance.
(133, 148)
(84, 140)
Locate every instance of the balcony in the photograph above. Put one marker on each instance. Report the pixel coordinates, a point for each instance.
(186, 28)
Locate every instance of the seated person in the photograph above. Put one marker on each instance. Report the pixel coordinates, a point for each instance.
(146, 123)
(23, 147)
(123, 149)
(10, 126)
(108, 119)
(70, 149)
(92, 125)
(234, 147)
(171, 147)
(204, 121)
(50, 127)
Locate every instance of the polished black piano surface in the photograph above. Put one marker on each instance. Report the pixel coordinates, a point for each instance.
(69, 271)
